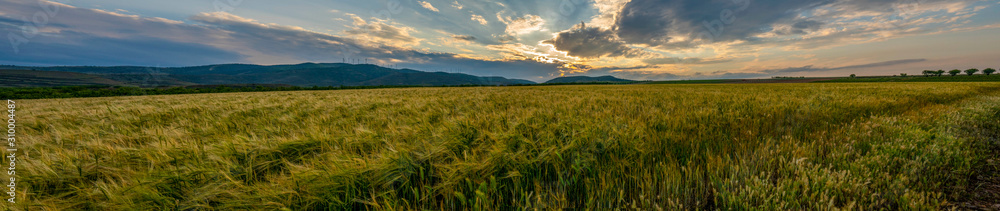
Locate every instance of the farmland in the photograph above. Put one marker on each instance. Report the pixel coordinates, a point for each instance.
(665, 146)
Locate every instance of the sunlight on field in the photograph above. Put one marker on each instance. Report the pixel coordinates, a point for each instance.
(768, 146)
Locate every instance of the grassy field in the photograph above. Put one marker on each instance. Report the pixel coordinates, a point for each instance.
(648, 147)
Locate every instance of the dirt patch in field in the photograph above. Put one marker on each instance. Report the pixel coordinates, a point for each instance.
(983, 190)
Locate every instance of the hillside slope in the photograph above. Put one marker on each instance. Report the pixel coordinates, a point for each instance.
(34, 78)
(305, 74)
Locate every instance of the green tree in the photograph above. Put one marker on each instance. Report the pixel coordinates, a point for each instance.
(852, 76)
(940, 72)
(971, 71)
(954, 72)
(988, 71)
(903, 74)
(928, 73)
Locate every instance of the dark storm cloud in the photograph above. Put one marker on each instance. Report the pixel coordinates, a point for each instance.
(653, 22)
(680, 24)
(591, 42)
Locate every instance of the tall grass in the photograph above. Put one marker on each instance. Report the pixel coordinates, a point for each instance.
(650, 147)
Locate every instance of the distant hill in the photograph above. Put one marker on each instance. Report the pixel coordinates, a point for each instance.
(34, 78)
(305, 74)
(587, 79)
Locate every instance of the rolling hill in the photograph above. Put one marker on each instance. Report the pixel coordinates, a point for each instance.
(34, 78)
(305, 74)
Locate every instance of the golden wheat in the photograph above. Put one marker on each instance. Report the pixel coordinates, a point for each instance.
(767, 146)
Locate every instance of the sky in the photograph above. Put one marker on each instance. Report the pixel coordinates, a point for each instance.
(533, 40)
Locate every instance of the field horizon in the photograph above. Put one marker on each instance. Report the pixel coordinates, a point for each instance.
(809, 146)
(654, 105)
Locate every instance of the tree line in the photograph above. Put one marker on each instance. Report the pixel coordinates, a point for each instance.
(955, 72)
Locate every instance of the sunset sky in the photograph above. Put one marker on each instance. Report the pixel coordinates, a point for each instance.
(534, 40)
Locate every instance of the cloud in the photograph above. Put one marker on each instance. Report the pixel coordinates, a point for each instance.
(479, 19)
(523, 25)
(382, 31)
(428, 6)
(607, 10)
(648, 72)
(618, 33)
(88, 50)
(609, 70)
(79, 36)
(686, 60)
(810, 68)
(96, 37)
(687, 23)
(636, 73)
(881, 64)
(659, 22)
(314, 46)
(592, 42)
(801, 27)
(464, 37)
(504, 38)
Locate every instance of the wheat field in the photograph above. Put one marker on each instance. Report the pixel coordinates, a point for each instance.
(857, 146)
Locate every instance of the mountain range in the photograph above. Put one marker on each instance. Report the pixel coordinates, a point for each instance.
(305, 74)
